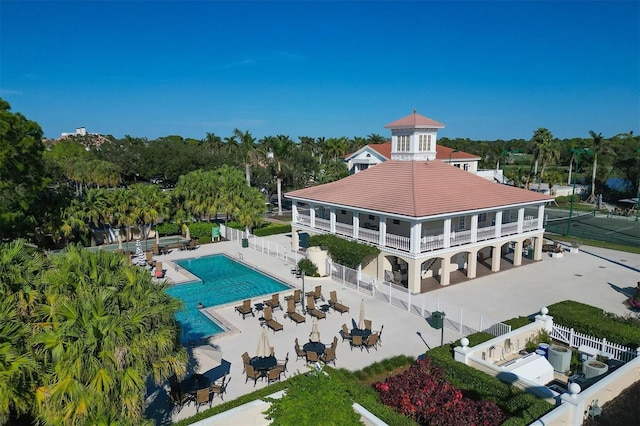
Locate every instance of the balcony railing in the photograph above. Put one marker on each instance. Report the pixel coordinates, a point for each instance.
(370, 235)
(460, 237)
(398, 241)
(509, 228)
(486, 233)
(431, 242)
(344, 229)
(303, 219)
(323, 224)
(530, 224)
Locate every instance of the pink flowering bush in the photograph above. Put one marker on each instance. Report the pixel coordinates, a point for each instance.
(423, 394)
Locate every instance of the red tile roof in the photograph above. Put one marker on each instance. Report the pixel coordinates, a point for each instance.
(442, 152)
(413, 121)
(417, 189)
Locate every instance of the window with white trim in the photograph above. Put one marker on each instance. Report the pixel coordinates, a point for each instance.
(403, 143)
(423, 143)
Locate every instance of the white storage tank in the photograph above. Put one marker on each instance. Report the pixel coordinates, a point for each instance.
(559, 357)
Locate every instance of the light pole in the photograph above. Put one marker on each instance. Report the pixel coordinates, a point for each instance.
(300, 274)
(577, 152)
(442, 330)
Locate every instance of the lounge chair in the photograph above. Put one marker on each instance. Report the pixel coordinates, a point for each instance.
(312, 357)
(329, 356)
(203, 396)
(156, 250)
(293, 314)
(149, 258)
(245, 309)
(335, 303)
(252, 374)
(295, 297)
(345, 333)
(317, 293)
(356, 341)
(274, 302)
(300, 353)
(269, 321)
(159, 272)
(220, 389)
(371, 342)
(311, 309)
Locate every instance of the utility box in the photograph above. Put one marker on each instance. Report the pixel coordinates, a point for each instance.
(245, 242)
(436, 320)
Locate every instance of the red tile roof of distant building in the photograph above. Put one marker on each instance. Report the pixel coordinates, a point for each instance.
(415, 120)
(442, 152)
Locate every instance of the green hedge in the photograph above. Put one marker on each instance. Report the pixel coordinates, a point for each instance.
(168, 228)
(594, 321)
(521, 407)
(518, 322)
(199, 230)
(345, 252)
(271, 229)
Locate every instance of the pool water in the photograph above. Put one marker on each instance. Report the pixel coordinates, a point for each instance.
(223, 280)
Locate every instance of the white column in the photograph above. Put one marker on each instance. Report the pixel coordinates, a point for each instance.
(332, 220)
(294, 212)
(447, 233)
(520, 220)
(474, 228)
(416, 232)
(382, 228)
(356, 224)
(312, 215)
(541, 216)
(498, 224)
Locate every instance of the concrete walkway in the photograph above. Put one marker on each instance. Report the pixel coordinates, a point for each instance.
(598, 277)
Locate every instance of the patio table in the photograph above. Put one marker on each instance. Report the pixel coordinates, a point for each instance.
(196, 381)
(263, 364)
(316, 347)
(363, 333)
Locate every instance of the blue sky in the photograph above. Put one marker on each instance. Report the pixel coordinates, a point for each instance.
(488, 70)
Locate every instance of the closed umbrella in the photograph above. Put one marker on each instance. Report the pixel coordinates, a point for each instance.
(315, 334)
(187, 234)
(361, 321)
(264, 349)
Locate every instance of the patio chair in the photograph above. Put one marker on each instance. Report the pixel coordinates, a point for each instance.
(312, 357)
(269, 321)
(336, 304)
(295, 296)
(220, 389)
(159, 272)
(252, 374)
(273, 375)
(215, 233)
(149, 258)
(245, 309)
(246, 359)
(193, 244)
(329, 356)
(203, 396)
(311, 309)
(155, 250)
(345, 333)
(282, 365)
(293, 314)
(179, 398)
(274, 302)
(300, 353)
(334, 344)
(317, 293)
(367, 324)
(379, 333)
(356, 341)
(371, 342)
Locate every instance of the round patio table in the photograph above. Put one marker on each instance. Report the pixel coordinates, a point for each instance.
(191, 384)
(263, 364)
(362, 333)
(316, 347)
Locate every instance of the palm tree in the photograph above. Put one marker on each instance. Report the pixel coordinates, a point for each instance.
(547, 150)
(376, 138)
(247, 151)
(598, 147)
(336, 147)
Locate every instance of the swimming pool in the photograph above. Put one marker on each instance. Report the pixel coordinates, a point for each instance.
(223, 280)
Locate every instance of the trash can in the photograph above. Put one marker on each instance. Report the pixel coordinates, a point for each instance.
(436, 320)
(530, 253)
(245, 242)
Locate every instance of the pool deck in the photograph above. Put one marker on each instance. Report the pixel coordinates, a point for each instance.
(599, 277)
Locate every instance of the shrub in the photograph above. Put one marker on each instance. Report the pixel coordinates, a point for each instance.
(594, 321)
(201, 229)
(271, 229)
(168, 228)
(344, 252)
(518, 322)
(423, 394)
(308, 267)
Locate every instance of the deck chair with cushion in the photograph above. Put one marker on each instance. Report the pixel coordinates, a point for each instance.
(203, 396)
(293, 314)
(159, 272)
(270, 322)
(295, 297)
(300, 353)
(345, 333)
(220, 389)
(317, 293)
(336, 304)
(311, 309)
(245, 309)
(274, 302)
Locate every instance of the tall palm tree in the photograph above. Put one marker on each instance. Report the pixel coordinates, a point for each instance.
(247, 151)
(600, 147)
(336, 147)
(376, 138)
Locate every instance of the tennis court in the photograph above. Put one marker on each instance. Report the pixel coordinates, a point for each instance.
(615, 229)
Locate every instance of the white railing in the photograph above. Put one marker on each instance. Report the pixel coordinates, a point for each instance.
(397, 241)
(457, 318)
(509, 228)
(370, 235)
(344, 229)
(323, 224)
(576, 339)
(461, 237)
(486, 233)
(431, 242)
(530, 224)
(303, 219)
(263, 245)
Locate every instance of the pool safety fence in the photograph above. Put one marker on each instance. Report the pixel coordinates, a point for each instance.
(261, 244)
(457, 318)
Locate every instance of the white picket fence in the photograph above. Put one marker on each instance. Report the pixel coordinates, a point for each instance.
(464, 321)
(576, 339)
(456, 318)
